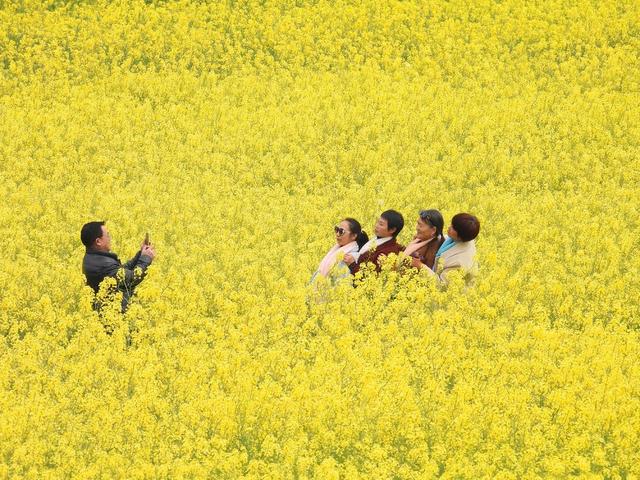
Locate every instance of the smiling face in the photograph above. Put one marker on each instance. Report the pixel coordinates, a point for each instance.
(343, 234)
(424, 230)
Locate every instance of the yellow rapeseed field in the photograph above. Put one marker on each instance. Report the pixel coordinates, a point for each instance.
(238, 133)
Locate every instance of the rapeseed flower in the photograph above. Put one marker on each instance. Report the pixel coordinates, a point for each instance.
(234, 133)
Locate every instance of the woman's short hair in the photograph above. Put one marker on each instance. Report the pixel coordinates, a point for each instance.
(394, 220)
(467, 226)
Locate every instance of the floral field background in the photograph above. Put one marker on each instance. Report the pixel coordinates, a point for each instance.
(237, 134)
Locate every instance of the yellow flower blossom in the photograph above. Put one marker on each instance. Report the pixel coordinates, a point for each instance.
(235, 133)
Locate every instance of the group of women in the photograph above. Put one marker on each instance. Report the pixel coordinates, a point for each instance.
(429, 250)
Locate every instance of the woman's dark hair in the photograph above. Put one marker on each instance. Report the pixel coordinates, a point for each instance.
(90, 233)
(355, 227)
(394, 220)
(467, 226)
(435, 219)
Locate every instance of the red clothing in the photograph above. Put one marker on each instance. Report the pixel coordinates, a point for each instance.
(388, 247)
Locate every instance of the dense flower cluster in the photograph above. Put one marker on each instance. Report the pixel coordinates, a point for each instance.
(238, 133)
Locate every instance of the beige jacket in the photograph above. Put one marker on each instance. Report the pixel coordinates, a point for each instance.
(462, 255)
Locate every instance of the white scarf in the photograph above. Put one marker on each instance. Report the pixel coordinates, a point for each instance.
(330, 258)
(367, 246)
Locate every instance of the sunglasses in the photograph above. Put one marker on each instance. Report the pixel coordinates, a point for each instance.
(339, 230)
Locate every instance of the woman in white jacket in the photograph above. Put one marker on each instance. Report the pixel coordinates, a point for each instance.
(459, 249)
(349, 239)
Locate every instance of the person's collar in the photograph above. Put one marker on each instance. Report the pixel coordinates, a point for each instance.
(462, 245)
(349, 246)
(381, 240)
(93, 251)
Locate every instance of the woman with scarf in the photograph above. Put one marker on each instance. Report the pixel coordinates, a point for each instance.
(349, 239)
(459, 249)
(428, 239)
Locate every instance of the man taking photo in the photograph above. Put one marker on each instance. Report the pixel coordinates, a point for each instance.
(99, 262)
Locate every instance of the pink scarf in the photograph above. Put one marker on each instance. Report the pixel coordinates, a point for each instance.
(415, 245)
(330, 258)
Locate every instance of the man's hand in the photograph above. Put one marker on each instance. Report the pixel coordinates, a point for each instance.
(348, 259)
(149, 251)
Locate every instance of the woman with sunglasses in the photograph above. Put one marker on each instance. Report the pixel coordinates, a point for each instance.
(428, 239)
(349, 240)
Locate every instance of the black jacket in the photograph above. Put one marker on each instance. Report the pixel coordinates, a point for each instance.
(98, 265)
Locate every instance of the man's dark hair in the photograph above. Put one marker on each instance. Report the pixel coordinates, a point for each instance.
(90, 232)
(466, 226)
(394, 220)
